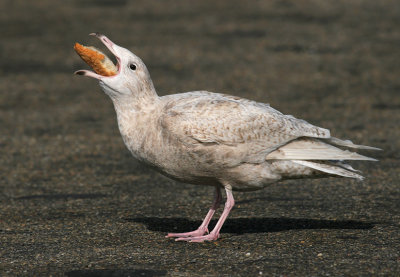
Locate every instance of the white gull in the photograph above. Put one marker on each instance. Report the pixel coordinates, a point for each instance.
(214, 139)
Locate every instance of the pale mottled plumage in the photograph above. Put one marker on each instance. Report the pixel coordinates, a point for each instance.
(216, 139)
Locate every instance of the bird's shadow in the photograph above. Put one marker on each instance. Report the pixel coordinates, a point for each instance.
(62, 196)
(250, 225)
(115, 273)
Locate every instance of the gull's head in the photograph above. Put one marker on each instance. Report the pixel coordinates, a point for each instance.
(129, 76)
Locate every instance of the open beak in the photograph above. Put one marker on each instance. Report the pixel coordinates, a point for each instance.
(100, 63)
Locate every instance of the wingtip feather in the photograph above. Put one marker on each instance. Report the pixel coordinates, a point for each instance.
(350, 144)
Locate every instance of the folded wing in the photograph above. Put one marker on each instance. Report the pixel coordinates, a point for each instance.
(203, 117)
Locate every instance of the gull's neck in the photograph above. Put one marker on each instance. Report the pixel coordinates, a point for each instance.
(132, 109)
(133, 112)
(136, 102)
(136, 120)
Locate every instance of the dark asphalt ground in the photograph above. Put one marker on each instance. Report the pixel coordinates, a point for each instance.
(74, 202)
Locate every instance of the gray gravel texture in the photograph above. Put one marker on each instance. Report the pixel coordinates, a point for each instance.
(74, 202)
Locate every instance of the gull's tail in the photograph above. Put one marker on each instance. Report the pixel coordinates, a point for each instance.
(321, 155)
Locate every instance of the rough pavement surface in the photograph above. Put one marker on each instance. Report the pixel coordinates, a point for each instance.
(74, 202)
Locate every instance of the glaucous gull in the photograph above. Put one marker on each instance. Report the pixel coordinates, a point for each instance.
(213, 139)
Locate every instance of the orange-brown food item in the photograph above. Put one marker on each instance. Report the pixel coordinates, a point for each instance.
(100, 63)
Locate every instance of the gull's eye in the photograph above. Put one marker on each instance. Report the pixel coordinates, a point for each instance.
(132, 66)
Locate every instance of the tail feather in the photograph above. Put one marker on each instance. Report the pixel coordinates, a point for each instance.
(330, 169)
(346, 166)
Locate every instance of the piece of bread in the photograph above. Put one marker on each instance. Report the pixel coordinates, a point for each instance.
(97, 60)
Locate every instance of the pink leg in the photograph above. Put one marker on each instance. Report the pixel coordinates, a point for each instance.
(230, 202)
(204, 226)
